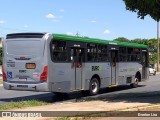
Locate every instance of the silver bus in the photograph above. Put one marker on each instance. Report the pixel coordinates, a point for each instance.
(61, 63)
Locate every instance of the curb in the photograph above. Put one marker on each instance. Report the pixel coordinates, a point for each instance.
(158, 73)
(138, 108)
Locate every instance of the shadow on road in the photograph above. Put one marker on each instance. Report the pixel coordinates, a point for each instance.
(108, 94)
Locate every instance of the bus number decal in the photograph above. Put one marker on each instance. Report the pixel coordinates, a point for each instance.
(96, 68)
(10, 64)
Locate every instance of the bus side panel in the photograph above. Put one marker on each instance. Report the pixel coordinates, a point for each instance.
(127, 70)
(60, 77)
(100, 69)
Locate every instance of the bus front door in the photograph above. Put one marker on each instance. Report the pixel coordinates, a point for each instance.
(77, 58)
(113, 60)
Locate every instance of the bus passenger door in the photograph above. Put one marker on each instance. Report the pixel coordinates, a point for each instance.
(77, 58)
(113, 61)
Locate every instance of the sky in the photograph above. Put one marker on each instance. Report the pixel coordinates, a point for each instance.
(104, 19)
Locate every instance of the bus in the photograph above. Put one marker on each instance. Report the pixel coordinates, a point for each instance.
(62, 63)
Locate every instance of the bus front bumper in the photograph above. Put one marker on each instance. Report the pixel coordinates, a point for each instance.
(28, 87)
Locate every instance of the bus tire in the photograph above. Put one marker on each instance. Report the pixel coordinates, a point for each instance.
(135, 84)
(154, 73)
(94, 86)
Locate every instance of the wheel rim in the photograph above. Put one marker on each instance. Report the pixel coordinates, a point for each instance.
(136, 81)
(94, 87)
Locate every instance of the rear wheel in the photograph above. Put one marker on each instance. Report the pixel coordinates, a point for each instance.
(94, 86)
(154, 73)
(135, 84)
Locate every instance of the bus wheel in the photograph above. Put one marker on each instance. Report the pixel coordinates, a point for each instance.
(154, 73)
(94, 86)
(135, 84)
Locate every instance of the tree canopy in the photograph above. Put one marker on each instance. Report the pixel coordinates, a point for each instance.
(122, 39)
(144, 7)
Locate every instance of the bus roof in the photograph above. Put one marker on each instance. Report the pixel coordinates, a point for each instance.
(96, 40)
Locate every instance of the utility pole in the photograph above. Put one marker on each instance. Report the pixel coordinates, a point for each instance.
(157, 45)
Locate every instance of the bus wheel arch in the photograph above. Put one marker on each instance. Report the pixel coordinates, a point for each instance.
(136, 80)
(138, 75)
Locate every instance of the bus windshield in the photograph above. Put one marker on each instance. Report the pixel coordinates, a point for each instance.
(24, 47)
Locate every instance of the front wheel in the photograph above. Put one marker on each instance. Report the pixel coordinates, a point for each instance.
(135, 84)
(94, 86)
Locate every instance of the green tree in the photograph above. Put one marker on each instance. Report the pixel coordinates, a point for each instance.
(143, 8)
(122, 39)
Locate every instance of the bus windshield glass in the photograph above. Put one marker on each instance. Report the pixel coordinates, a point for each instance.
(24, 47)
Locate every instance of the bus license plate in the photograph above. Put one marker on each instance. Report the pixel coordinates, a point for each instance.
(23, 77)
(22, 86)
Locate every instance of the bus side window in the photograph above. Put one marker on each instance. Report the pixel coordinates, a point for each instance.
(59, 51)
(72, 58)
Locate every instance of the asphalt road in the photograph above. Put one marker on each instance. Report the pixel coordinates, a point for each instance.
(148, 91)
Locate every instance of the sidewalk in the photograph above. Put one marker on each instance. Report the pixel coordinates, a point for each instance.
(89, 106)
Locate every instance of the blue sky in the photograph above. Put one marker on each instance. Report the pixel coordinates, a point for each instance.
(106, 19)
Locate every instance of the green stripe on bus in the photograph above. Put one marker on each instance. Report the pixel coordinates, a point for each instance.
(96, 40)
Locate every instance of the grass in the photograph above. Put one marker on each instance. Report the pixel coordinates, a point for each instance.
(22, 104)
(64, 118)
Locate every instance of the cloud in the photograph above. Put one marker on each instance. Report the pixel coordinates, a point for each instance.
(2, 22)
(93, 21)
(50, 16)
(69, 33)
(107, 31)
(61, 10)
